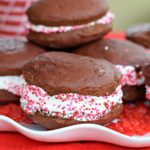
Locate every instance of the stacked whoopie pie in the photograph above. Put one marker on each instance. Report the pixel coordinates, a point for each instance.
(129, 59)
(76, 89)
(14, 54)
(60, 89)
(68, 23)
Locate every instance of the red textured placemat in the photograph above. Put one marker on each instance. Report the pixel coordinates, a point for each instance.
(134, 120)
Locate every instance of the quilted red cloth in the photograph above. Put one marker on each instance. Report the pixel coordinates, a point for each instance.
(13, 19)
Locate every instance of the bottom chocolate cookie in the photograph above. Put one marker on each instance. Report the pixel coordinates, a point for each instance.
(51, 122)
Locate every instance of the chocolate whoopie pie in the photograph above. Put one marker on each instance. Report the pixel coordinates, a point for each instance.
(68, 23)
(139, 34)
(65, 89)
(14, 54)
(128, 58)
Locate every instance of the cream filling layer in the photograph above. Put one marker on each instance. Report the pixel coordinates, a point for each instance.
(130, 76)
(69, 105)
(12, 84)
(107, 19)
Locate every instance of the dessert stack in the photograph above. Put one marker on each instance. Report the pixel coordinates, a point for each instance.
(86, 84)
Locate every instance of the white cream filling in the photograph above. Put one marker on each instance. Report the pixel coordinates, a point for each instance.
(107, 19)
(130, 76)
(69, 105)
(12, 84)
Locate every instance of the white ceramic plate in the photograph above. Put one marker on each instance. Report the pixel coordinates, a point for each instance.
(83, 132)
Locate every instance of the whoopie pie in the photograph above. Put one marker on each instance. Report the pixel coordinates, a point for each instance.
(68, 23)
(65, 89)
(128, 57)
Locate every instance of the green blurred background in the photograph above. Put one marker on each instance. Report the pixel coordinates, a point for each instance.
(129, 12)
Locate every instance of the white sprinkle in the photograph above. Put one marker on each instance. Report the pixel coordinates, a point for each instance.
(116, 120)
(106, 48)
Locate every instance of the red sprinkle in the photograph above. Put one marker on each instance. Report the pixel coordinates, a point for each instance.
(134, 120)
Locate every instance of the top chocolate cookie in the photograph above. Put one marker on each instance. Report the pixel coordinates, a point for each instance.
(116, 51)
(14, 54)
(68, 23)
(66, 12)
(59, 72)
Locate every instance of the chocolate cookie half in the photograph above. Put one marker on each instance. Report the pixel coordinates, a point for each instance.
(65, 89)
(128, 58)
(139, 34)
(65, 23)
(14, 54)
